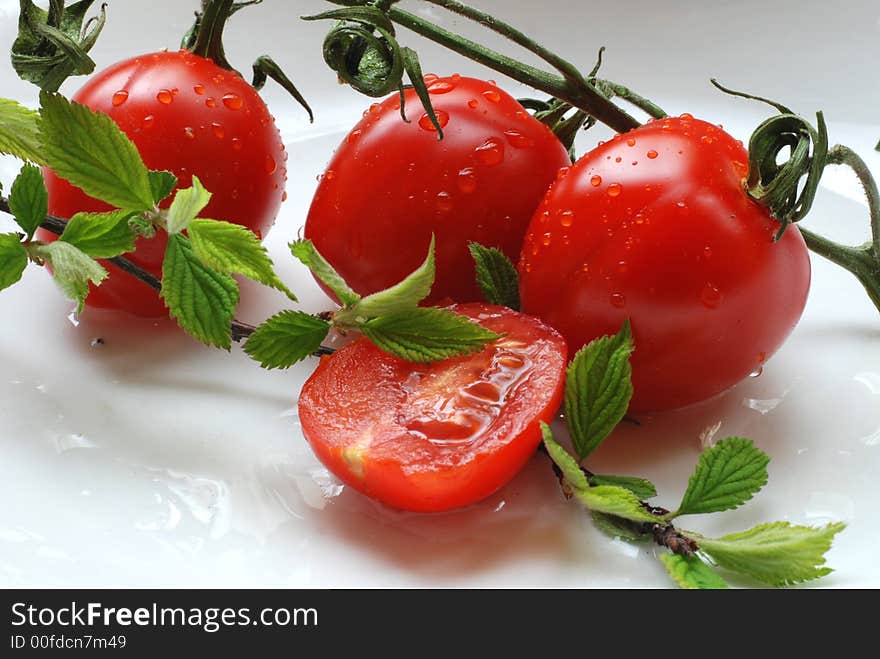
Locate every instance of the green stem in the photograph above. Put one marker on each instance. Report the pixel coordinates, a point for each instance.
(209, 40)
(842, 155)
(571, 86)
(862, 261)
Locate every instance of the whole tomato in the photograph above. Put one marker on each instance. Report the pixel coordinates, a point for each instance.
(655, 226)
(187, 115)
(391, 184)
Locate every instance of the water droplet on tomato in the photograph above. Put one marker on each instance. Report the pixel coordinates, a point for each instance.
(211, 102)
(218, 130)
(492, 82)
(707, 251)
(595, 180)
(635, 162)
(510, 360)
(455, 77)
(652, 154)
(175, 91)
(199, 89)
(472, 104)
(614, 189)
(467, 180)
(119, 98)
(492, 96)
(236, 144)
(563, 172)
(329, 174)
(284, 196)
(444, 202)
(566, 218)
(518, 140)
(681, 204)
(164, 97)
(441, 87)
(622, 266)
(148, 121)
(189, 133)
(686, 116)
(546, 238)
(233, 101)
(706, 139)
(631, 142)
(762, 357)
(442, 118)
(711, 296)
(430, 78)
(375, 108)
(757, 372)
(270, 165)
(490, 152)
(353, 136)
(617, 300)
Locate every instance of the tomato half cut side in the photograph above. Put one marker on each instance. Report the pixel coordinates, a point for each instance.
(433, 437)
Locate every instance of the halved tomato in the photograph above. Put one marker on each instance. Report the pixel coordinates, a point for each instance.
(433, 437)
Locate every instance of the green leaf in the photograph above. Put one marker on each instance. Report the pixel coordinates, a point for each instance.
(162, 184)
(598, 388)
(779, 554)
(202, 300)
(20, 132)
(427, 334)
(101, 235)
(305, 251)
(617, 527)
(496, 276)
(286, 338)
(187, 205)
(691, 573)
(398, 298)
(28, 199)
(613, 500)
(643, 489)
(13, 259)
(727, 475)
(90, 151)
(232, 249)
(569, 467)
(73, 269)
(53, 45)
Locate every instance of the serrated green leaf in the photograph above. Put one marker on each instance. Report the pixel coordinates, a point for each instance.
(13, 259)
(617, 527)
(202, 300)
(398, 298)
(187, 205)
(598, 388)
(286, 338)
(779, 553)
(73, 269)
(28, 199)
(162, 184)
(613, 500)
(642, 488)
(569, 467)
(496, 276)
(427, 335)
(101, 235)
(232, 249)
(90, 151)
(305, 251)
(691, 573)
(727, 475)
(19, 132)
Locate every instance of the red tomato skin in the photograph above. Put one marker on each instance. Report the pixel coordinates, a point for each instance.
(391, 184)
(408, 473)
(655, 226)
(189, 116)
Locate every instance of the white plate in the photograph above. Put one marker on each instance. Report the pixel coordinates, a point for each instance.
(150, 460)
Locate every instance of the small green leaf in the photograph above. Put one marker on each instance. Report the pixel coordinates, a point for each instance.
(305, 251)
(598, 388)
(232, 249)
(617, 527)
(101, 235)
(187, 205)
(643, 489)
(427, 335)
(691, 573)
(496, 276)
(727, 475)
(613, 500)
(28, 199)
(779, 554)
(162, 184)
(90, 151)
(286, 338)
(73, 269)
(569, 467)
(398, 298)
(19, 132)
(13, 259)
(202, 300)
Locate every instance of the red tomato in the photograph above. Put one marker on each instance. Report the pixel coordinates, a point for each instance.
(191, 117)
(655, 226)
(392, 184)
(440, 436)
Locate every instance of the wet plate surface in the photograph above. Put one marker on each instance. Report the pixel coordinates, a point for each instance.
(145, 459)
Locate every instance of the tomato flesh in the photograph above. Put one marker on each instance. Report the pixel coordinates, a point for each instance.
(391, 185)
(655, 226)
(440, 436)
(189, 116)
